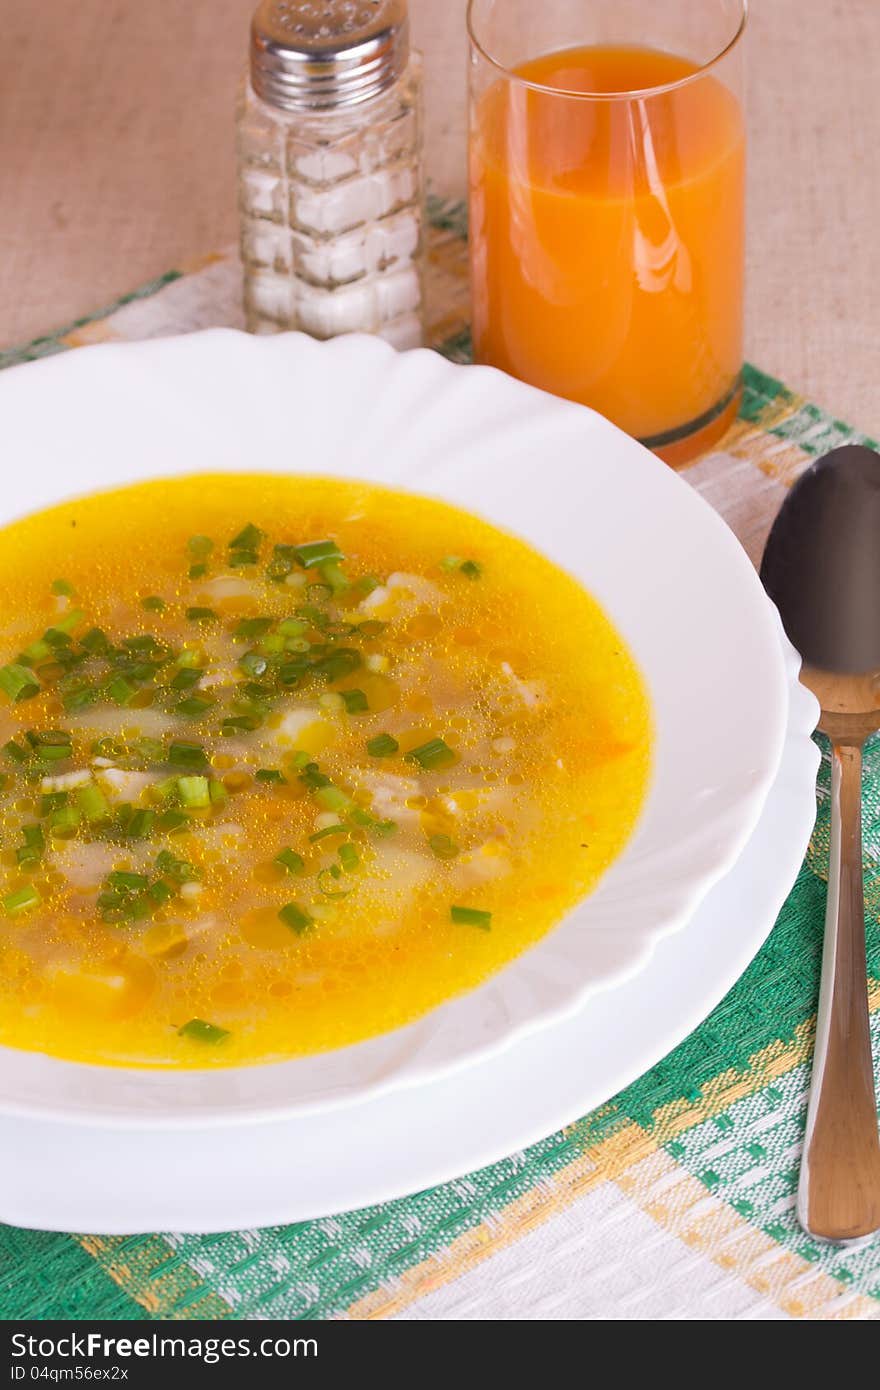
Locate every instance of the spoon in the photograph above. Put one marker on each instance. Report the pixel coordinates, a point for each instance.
(821, 568)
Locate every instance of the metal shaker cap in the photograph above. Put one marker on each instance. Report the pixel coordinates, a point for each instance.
(320, 54)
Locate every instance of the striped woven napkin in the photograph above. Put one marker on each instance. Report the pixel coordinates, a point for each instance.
(673, 1200)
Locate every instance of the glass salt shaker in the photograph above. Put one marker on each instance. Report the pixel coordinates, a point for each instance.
(330, 171)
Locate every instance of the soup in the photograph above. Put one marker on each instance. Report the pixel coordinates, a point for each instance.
(287, 762)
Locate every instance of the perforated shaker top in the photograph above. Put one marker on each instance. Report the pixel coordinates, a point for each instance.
(314, 54)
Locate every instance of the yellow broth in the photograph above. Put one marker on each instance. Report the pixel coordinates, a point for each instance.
(440, 733)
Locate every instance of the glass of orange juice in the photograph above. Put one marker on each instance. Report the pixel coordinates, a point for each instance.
(607, 166)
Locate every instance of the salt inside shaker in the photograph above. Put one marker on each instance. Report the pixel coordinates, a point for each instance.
(330, 171)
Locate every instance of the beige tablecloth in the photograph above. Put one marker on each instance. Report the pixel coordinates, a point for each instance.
(116, 162)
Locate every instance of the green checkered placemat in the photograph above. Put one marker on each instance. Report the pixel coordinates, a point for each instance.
(673, 1200)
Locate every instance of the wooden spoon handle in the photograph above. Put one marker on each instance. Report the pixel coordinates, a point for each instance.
(839, 1192)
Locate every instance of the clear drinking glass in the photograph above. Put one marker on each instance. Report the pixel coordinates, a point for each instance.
(607, 170)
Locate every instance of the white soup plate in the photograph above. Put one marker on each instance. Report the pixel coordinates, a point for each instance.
(666, 568)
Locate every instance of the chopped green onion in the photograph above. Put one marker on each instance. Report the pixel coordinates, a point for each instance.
(194, 792)
(194, 707)
(234, 724)
(349, 857)
(108, 748)
(125, 907)
(189, 657)
(327, 880)
(313, 777)
(337, 664)
(217, 793)
(166, 790)
(372, 628)
(237, 558)
(443, 846)
(355, 701)
(147, 646)
(201, 1031)
(294, 917)
(189, 755)
(79, 698)
(95, 642)
(52, 801)
(160, 892)
(121, 691)
(333, 576)
(291, 861)
(366, 584)
(471, 917)
(317, 553)
(249, 628)
(64, 821)
(18, 682)
(179, 869)
(333, 799)
(328, 830)
(469, 568)
(252, 693)
(433, 754)
(382, 746)
(273, 644)
(269, 774)
(21, 900)
(150, 749)
(171, 821)
(92, 802)
(201, 615)
(50, 745)
(281, 564)
(61, 586)
(126, 882)
(320, 592)
(312, 615)
(197, 571)
(14, 752)
(139, 824)
(153, 603)
(240, 723)
(186, 679)
(253, 664)
(34, 844)
(248, 538)
(292, 627)
(37, 651)
(292, 672)
(199, 546)
(111, 906)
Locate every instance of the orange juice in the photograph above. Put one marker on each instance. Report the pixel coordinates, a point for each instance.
(607, 236)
